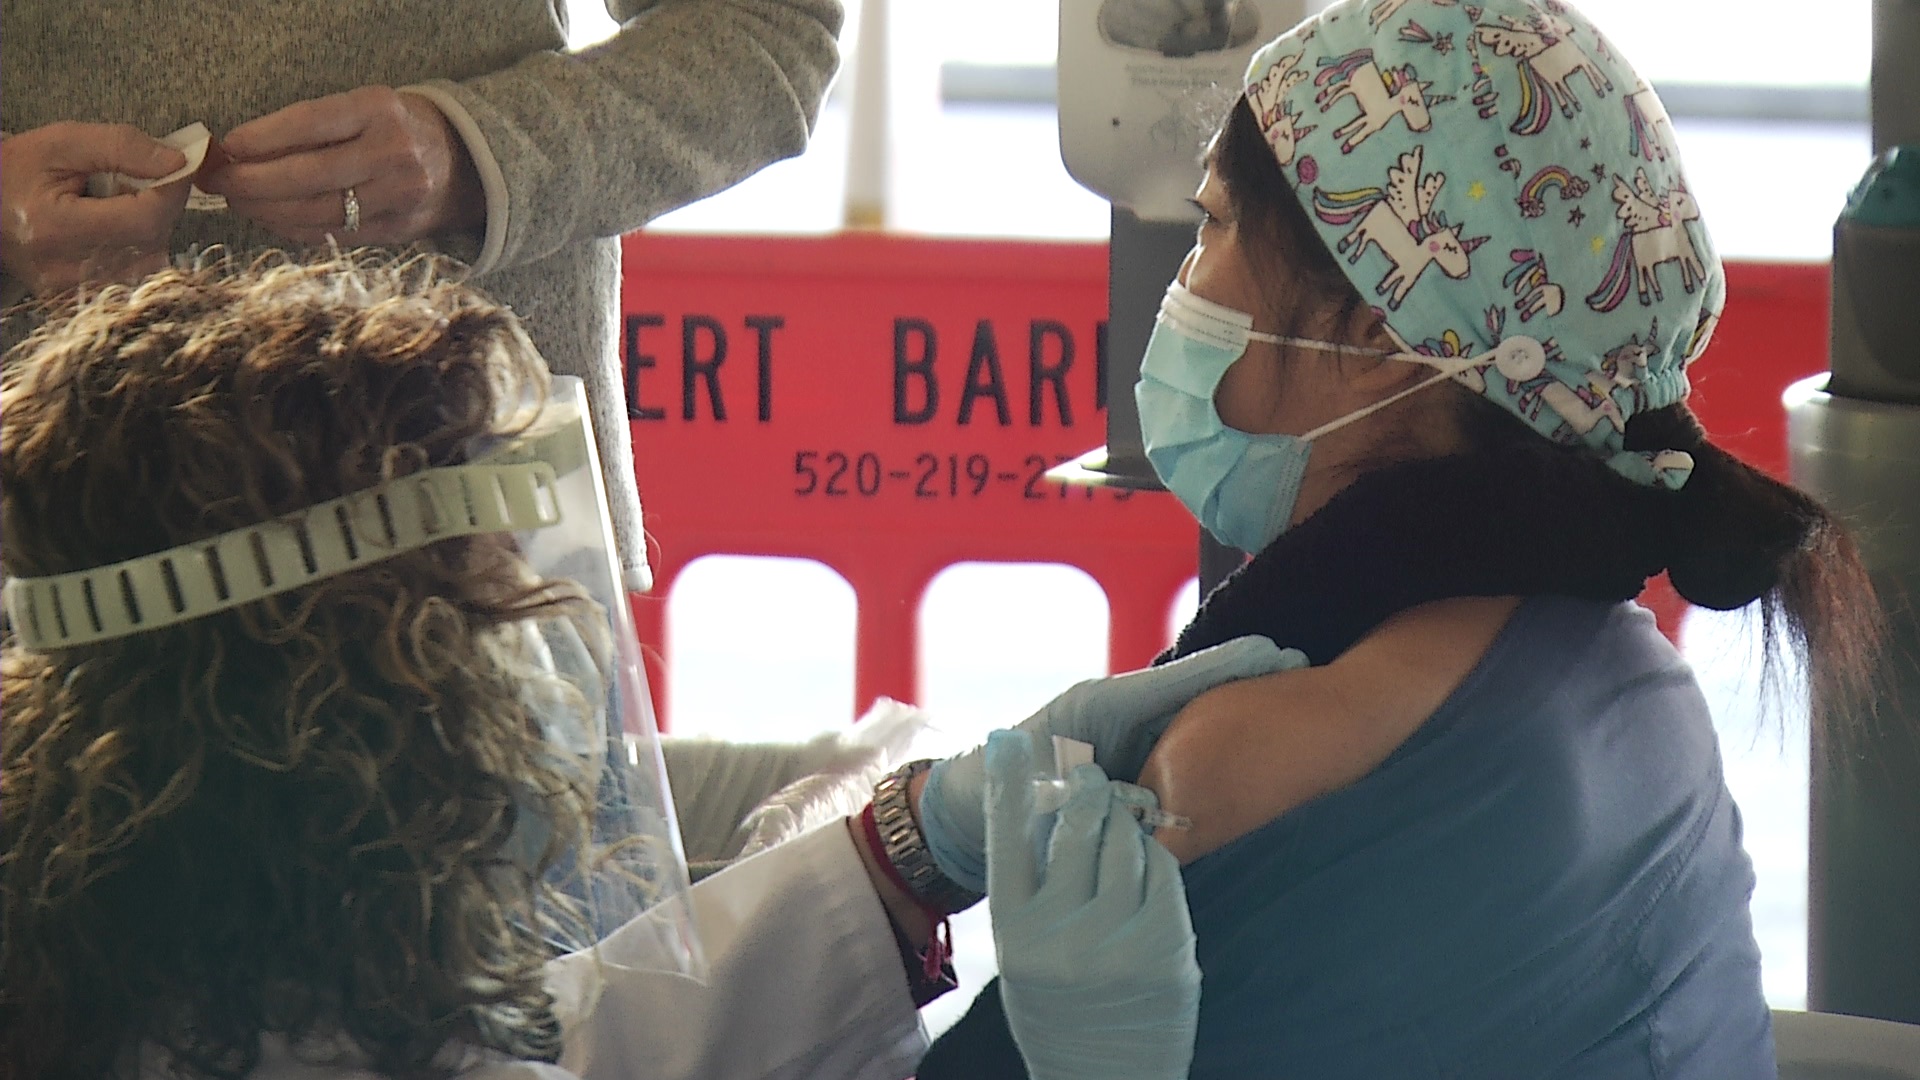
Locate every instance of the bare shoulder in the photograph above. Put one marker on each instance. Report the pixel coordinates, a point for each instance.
(1243, 754)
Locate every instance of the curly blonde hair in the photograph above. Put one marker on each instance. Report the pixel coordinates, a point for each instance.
(287, 818)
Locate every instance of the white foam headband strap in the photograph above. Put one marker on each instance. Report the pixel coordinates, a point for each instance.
(257, 561)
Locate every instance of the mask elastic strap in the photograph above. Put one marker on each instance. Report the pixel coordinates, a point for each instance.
(1446, 371)
(1182, 300)
(1361, 414)
(1328, 346)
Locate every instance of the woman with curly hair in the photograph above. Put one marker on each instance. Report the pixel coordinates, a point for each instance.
(289, 837)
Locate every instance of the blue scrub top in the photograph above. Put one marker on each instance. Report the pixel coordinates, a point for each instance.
(1546, 880)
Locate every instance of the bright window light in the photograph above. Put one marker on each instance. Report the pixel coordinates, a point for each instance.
(759, 649)
(999, 640)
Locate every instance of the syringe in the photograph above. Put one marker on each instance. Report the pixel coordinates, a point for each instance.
(1050, 793)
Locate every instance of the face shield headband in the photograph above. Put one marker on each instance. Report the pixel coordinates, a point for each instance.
(587, 689)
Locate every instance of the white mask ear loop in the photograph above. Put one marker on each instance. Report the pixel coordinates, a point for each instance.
(1447, 370)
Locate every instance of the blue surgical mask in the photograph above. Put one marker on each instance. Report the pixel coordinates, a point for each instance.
(1242, 487)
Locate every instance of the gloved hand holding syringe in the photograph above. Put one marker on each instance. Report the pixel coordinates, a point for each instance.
(1121, 716)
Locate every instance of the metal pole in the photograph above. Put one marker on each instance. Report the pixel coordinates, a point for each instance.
(1855, 437)
(1895, 88)
(1862, 458)
(869, 176)
(1144, 256)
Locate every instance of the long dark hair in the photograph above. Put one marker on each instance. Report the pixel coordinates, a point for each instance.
(1734, 534)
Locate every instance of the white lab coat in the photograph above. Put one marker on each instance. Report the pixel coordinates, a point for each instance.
(805, 981)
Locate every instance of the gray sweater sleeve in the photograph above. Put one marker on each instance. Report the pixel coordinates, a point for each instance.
(689, 97)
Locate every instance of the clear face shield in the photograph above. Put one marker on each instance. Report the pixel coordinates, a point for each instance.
(635, 865)
(583, 682)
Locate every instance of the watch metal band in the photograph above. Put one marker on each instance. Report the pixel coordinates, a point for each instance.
(907, 849)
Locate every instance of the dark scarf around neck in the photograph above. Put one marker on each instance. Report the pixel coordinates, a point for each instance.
(1526, 522)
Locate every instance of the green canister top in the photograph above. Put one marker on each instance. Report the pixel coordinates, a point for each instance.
(1889, 195)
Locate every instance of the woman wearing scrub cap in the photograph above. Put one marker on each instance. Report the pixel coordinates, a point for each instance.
(304, 753)
(1427, 362)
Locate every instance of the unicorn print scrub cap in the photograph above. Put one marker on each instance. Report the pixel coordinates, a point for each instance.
(1492, 170)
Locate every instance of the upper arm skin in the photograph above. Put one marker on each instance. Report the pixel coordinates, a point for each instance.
(1241, 755)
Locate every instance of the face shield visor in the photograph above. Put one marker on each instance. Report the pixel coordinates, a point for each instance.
(582, 682)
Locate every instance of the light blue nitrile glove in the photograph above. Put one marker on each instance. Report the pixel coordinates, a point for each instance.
(1121, 715)
(1096, 948)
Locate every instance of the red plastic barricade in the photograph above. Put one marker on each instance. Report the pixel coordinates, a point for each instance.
(887, 405)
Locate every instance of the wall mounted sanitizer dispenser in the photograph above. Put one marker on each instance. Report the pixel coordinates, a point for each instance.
(1142, 85)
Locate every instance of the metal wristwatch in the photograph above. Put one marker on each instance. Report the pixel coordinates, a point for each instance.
(907, 849)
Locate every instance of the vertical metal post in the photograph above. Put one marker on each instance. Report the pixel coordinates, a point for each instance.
(1862, 458)
(1143, 257)
(1895, 87)
(1855, 439)
(1217, 560)
(869, 145)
